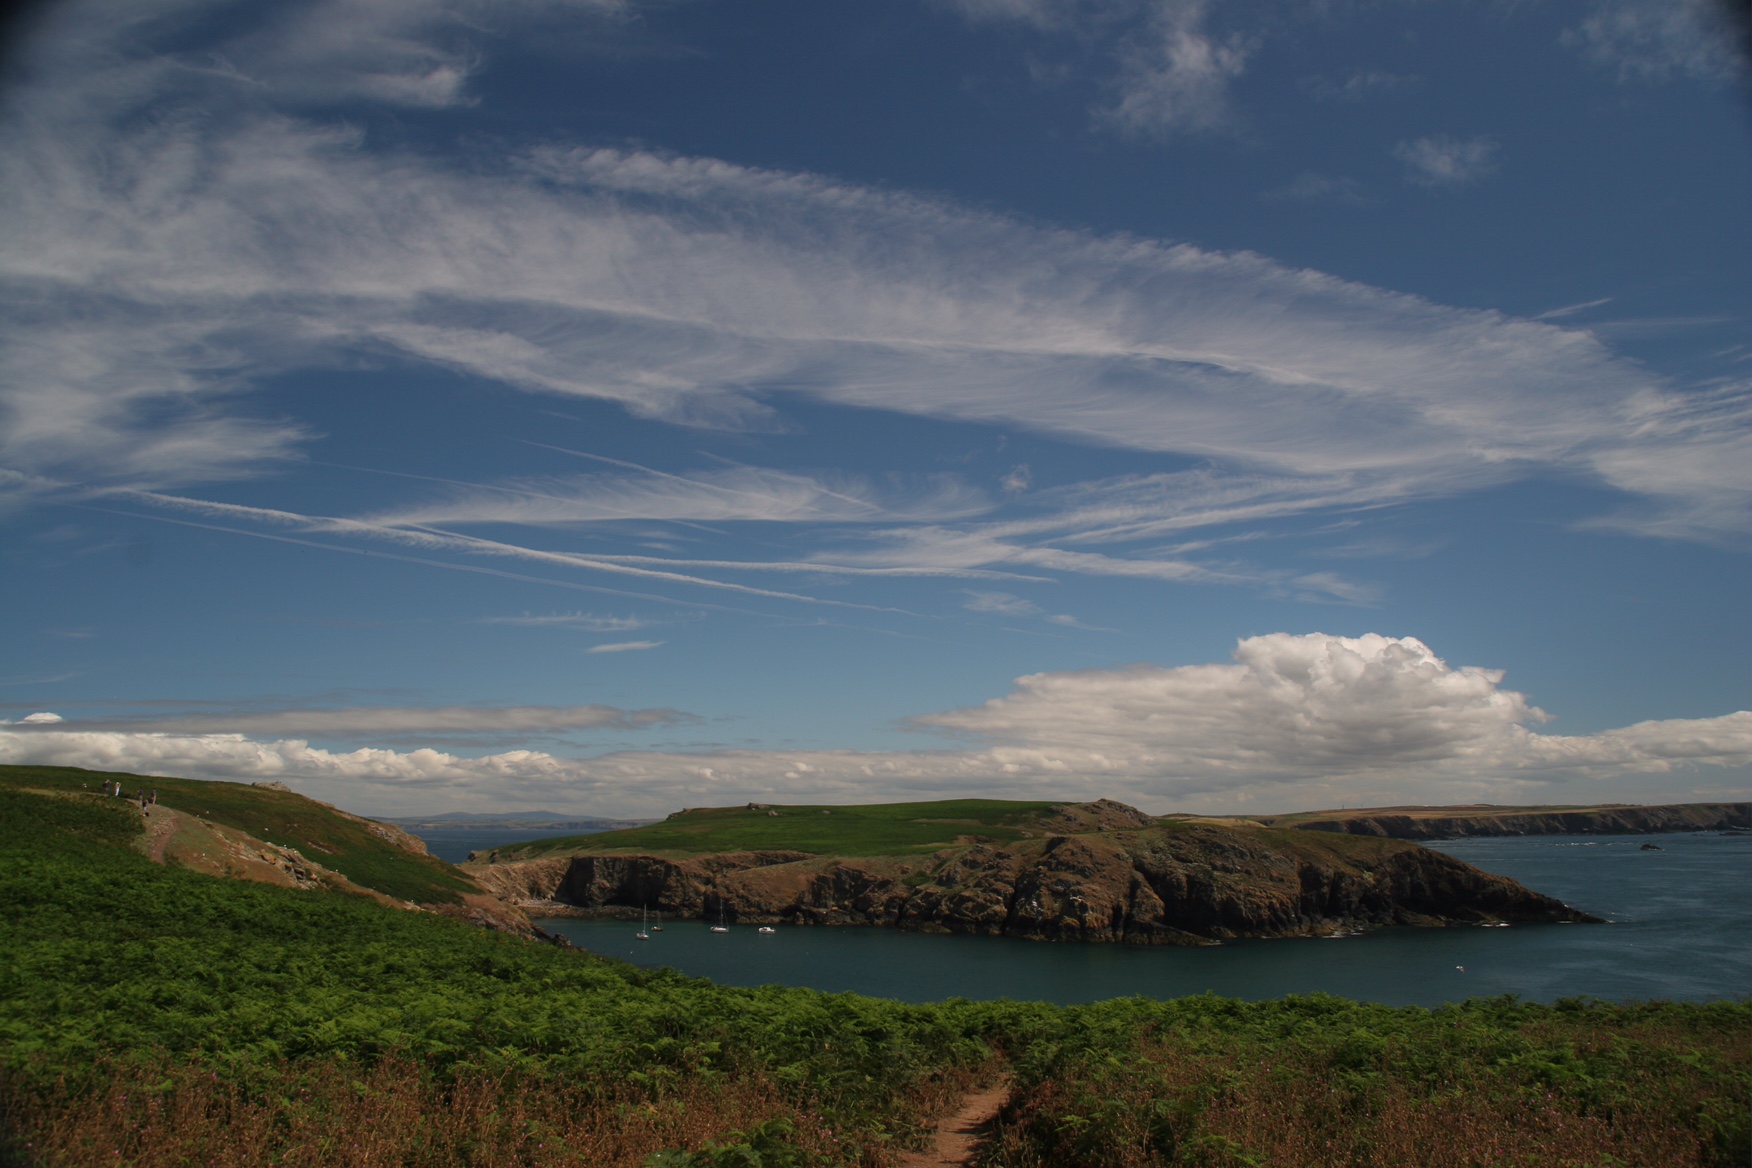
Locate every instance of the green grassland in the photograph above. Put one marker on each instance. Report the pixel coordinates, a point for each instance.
(151, 1015)
(880, 829)
(333, 840)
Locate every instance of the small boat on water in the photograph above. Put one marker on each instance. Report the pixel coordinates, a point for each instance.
(658, 927)
(720, 927)
(766, 929)
(644, 933)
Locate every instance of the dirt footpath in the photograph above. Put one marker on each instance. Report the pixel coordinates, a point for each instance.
(960, 1135)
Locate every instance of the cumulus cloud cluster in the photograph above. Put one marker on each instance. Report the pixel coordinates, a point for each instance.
(1293, 721)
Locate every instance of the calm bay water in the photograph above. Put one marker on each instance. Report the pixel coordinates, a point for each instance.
(1680, 929)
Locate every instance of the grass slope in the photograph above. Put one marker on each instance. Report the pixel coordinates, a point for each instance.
(878, 829)
(281, 817)
(117, 970)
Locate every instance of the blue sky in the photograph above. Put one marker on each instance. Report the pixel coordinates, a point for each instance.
(613, 407)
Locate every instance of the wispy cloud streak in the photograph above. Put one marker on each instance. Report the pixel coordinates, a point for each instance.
(156, 267)
(380, 720)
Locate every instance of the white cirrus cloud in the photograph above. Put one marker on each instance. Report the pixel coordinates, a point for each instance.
(625, 646)
(175, 235)
(587, 622)
(742, 493)
(1653, 40)
(1444, 161)
(1039, 13)
(1358, 84)
(1312, 186)
(1167, 71)
(1294, 721)
(1174, 73)
(1117, 510)
(358, 721)
(1001, 603)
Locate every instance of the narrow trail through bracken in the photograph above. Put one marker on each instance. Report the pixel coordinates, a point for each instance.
(959, 1136)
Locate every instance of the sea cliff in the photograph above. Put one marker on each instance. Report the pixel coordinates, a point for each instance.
(1171, 883)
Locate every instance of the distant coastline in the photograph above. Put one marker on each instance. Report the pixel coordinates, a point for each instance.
(1484, 819)
(517, 820)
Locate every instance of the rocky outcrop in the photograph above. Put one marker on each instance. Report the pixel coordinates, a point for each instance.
(1169, 884)
(1427, 823)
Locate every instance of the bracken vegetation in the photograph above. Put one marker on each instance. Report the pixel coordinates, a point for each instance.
(1325, 1082)
(153, 1016)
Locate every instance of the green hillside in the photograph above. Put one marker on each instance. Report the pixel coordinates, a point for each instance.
(876, 829)
(322, 834)
(150, 1015)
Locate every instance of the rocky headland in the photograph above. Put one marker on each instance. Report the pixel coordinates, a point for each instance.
(1433, 823)
(1122, 877)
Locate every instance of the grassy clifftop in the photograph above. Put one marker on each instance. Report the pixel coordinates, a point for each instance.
(369, 854)
(877, 829)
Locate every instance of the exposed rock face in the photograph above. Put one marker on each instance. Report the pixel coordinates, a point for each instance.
(1454, 823)
(1180, 884)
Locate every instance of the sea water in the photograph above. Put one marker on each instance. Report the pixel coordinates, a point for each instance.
(1678, 928)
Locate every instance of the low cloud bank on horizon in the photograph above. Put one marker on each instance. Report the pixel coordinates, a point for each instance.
(1295, 721)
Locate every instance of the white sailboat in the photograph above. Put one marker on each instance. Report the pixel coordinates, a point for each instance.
(658, 927)
(720, 927)
(644, 933)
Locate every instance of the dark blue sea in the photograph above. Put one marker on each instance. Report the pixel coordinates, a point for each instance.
(1679, 928)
